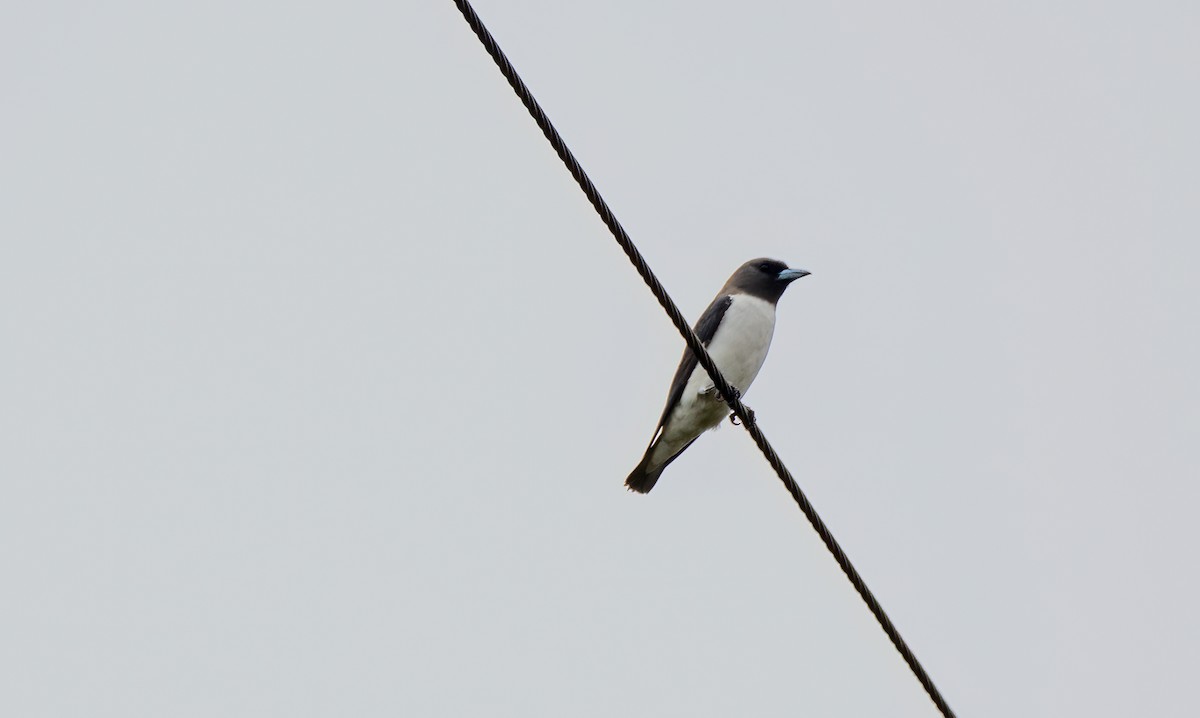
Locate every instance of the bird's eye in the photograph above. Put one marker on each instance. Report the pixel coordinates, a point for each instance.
(765, 266)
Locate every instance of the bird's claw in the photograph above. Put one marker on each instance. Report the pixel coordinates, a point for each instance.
(733, 418)
(712, 391)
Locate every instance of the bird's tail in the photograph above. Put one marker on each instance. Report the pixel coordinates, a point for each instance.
(643, 477)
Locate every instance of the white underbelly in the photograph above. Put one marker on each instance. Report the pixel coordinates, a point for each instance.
(739, 348)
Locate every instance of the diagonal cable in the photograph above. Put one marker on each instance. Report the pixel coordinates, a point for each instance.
(702, 356)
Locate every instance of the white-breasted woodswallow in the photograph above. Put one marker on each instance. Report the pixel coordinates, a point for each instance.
(736, 329)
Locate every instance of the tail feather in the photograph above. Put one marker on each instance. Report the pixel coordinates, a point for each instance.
(643, 477)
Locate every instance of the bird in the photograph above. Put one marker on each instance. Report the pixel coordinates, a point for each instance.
(736, 329)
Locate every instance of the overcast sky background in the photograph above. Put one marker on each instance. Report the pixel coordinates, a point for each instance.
(321, 378)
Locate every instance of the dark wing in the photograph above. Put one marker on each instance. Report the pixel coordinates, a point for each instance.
(705, 328)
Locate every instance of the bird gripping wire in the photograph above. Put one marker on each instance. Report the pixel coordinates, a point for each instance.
(697, 347)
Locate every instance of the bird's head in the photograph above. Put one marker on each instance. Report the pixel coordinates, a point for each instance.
(765, 278)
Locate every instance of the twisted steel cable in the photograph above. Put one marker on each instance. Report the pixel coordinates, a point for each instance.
(702, 357)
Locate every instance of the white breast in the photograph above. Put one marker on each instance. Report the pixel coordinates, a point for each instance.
(739, 348)
(740, 344)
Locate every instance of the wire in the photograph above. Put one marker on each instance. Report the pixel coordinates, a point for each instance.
(702, 357)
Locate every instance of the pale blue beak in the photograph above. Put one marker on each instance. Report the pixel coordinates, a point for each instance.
(791, 275)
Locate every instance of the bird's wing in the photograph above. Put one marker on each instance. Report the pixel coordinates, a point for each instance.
(705, 328)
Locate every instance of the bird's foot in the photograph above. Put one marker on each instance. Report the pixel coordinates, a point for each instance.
(712, 392)
(733, 418)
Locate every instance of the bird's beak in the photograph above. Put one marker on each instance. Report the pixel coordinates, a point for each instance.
(791, 275)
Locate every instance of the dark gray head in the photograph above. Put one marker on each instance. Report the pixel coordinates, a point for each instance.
(763, 278)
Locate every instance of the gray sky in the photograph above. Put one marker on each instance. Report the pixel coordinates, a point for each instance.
(321, 377)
